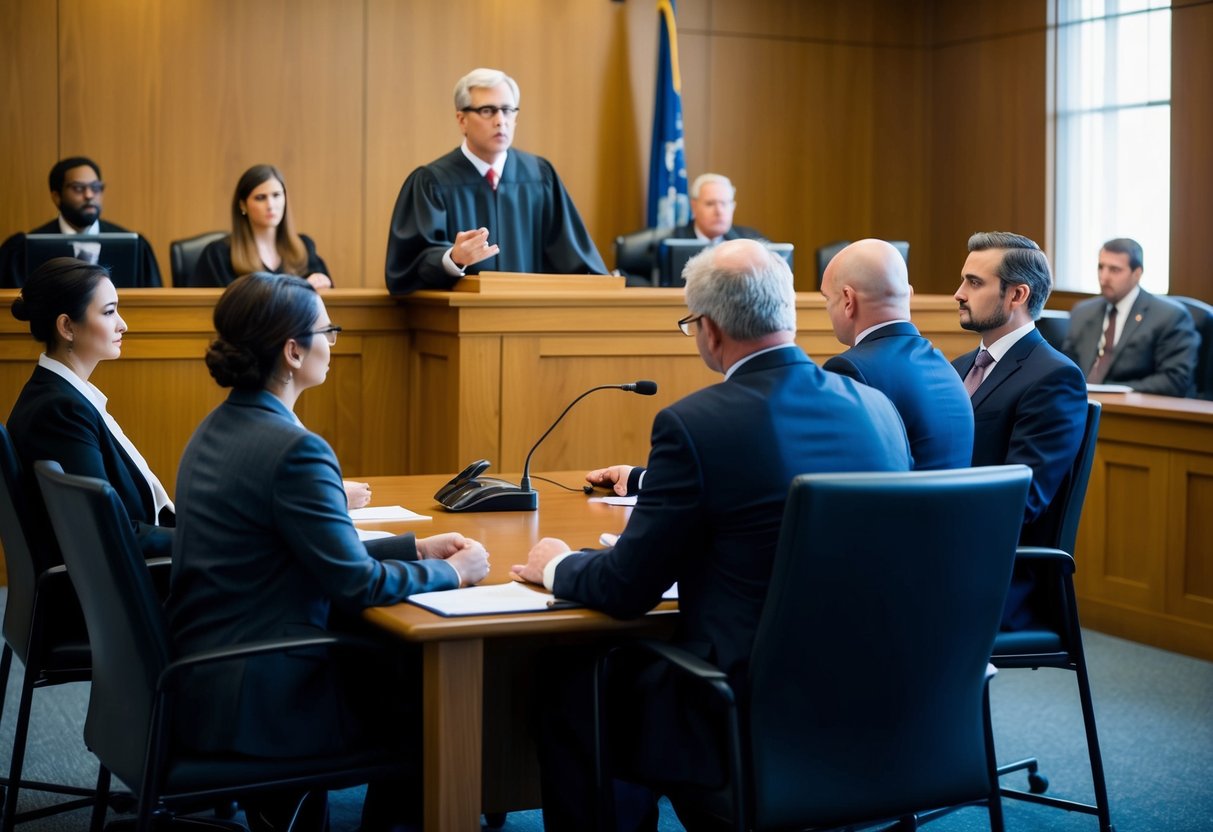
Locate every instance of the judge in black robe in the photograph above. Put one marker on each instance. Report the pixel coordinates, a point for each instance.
(530, 216)
(14, 269)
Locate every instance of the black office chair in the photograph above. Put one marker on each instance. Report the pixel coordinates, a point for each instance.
(184, 254)
(866, 691)
(1202, 317)
(1053, 324)
(42, 625)
(636, 255)
(830, 250)
(1059, 642)
(137, 674)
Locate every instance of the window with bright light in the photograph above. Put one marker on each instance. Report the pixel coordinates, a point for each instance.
(1113, 141)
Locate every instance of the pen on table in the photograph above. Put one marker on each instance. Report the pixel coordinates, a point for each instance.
(561, 604)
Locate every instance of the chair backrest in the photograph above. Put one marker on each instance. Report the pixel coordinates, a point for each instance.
(867, 674)
(18, 556)
(1202, 317)
(1053, 324)
(830, 250)
(126, 624)
(636, 253)
(184, 254)
(1058, 525)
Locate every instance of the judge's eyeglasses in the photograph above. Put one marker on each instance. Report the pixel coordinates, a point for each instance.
(489, 111)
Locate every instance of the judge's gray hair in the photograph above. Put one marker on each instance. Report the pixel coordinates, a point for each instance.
(746, 303)
(484, 78)
(704, 178)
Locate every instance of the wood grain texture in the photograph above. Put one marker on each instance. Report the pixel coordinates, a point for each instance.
(1191, 137)
(29, 109)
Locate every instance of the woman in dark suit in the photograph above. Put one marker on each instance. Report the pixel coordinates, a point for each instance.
(72, 308)
(265, 548)
(263, 237)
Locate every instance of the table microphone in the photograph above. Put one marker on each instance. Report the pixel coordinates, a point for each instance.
(467, 492)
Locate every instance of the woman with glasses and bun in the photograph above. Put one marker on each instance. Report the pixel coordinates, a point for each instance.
(265, 548)
(72, 308)
(263, 237)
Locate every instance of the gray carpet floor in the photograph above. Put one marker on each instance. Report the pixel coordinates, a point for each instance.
(1154, 708)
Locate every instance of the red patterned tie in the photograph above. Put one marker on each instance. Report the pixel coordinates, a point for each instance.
(1099, 370)
(491, 175)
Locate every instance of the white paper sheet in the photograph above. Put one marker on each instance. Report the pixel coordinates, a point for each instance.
(615, 501)
(485, 600)
(371, 534)
(385, 514)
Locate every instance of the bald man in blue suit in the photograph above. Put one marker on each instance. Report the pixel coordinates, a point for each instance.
(867, 294)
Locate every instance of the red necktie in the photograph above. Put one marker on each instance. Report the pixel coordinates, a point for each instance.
(491, 175)
(1099, 370)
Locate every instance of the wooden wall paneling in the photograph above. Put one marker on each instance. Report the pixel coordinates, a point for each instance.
(888, 21)
(988, 125)
(1123, 556)
(453, 381)
(901, 152)
(955, 20)
(192, 93)
(792, 123)
(29, 101)
(1190, 570)
(1191, 137)
(615, 425)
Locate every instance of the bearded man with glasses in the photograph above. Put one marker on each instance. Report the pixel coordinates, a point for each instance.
(78, 192)
(485, 206)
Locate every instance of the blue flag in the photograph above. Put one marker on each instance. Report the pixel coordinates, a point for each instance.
(668, 202)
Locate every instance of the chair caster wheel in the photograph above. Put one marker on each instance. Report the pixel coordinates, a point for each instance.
(1038, 783)
(494, 820)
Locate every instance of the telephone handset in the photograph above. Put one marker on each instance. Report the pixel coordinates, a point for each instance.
(468, 491)
(469, 473)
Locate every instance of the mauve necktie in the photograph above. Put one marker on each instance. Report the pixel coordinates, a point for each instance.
(1099, 370)
(491, 175)
(977, 373)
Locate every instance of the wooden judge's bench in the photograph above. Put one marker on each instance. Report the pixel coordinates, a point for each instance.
(428, 383)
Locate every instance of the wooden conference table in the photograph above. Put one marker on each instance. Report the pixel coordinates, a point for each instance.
(478, 754)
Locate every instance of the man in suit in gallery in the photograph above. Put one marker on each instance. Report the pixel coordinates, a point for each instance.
(78, 193)
(713, 200)
(867, 296)
(1029, 400)
(721, 463)
(1129, 336)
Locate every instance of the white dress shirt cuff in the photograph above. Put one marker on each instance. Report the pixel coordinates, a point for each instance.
(458, 579)
(449, 264)
(549, 571)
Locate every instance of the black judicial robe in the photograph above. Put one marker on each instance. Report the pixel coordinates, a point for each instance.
(530, 216)
(13, 271)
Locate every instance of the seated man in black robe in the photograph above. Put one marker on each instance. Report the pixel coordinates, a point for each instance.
(77, 191)
(484, 206)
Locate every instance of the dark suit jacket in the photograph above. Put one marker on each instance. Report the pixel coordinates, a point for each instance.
(215, 264)
(718, 475)
(1031, 409)
(916, 377)
(13, 270)
(52, 420)
(1156, 351)
(737, 232)
(264, 548)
